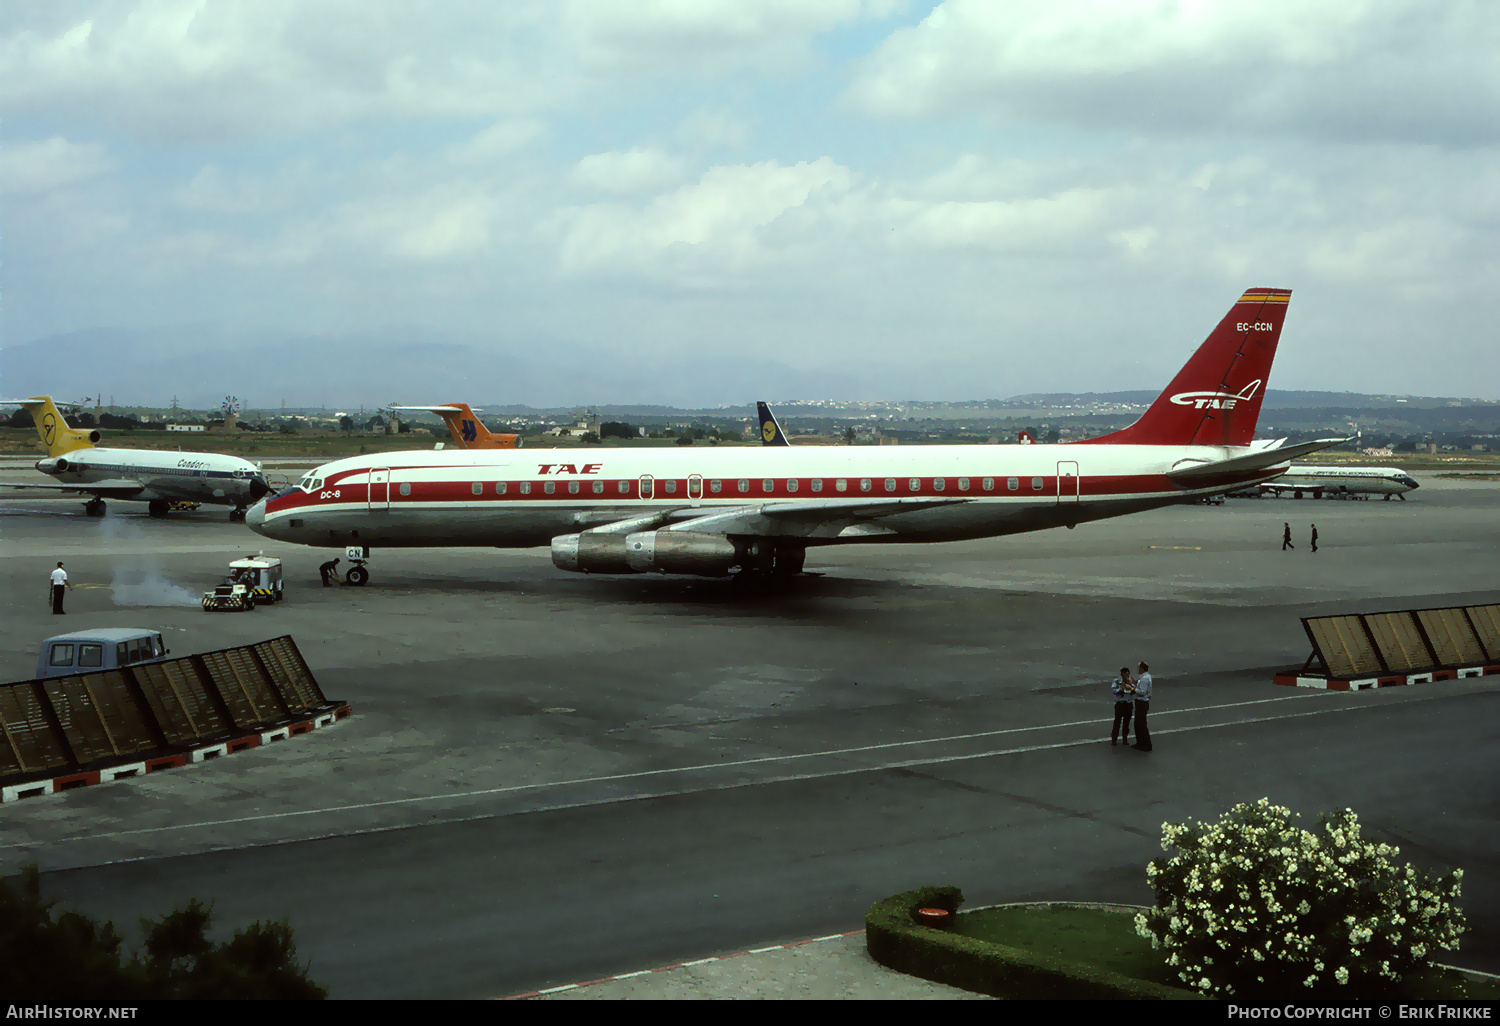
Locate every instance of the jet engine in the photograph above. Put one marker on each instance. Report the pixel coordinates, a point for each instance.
(53, 466)
(591, 553)
(680, 552)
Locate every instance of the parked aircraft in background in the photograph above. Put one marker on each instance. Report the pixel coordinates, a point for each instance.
(467, 430)
(770, 430)
(142, 475)
(1343, 481)
(699, 510)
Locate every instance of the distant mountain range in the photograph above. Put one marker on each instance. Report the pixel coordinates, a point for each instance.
(199, 368)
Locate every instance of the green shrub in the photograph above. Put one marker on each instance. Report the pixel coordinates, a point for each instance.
(1254, 906)
(49, 955)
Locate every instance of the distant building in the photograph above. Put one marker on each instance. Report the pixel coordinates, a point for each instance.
(184, 427)
(1378, 452)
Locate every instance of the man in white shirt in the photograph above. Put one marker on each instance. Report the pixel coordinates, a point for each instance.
(1142, 707)
(59, 582)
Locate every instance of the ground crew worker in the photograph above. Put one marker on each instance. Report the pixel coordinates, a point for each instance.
(1124, 693)
(1315, 538)
(1142, 707)
(1286, 537)
(330, 572)
(59, 582)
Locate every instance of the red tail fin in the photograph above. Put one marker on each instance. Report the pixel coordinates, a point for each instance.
(1215, 399)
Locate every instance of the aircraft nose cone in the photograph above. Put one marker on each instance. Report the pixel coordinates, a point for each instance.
(259, 488)
(255, 516)
(1413, 484)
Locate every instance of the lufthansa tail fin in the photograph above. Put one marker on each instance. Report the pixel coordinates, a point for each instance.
(467, 430)
(770, 431)
(57, 437)
(1215, 399)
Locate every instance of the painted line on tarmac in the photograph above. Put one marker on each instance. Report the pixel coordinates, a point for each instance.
(738, 763)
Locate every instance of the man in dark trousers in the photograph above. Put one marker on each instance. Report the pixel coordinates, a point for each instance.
(1124, 693)
(1286, 537)
(1142, 706)
(330, 572)
(59, 584)
(1315, 538)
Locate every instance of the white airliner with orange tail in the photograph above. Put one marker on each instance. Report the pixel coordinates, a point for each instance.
(709, 510)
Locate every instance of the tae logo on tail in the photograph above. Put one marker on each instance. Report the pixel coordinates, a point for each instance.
(1215, 400)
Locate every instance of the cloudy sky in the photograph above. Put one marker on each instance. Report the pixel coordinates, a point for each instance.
(705, 201)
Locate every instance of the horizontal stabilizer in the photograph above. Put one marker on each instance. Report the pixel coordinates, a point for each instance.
(1262, 460)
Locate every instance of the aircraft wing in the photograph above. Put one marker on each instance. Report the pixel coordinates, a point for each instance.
(817, 518)
(122, 488)
(1201, 474)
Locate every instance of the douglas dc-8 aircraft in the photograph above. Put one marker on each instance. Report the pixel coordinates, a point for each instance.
(710, 510)
(144, 475)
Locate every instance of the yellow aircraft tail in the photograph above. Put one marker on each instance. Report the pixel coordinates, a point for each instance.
(57, 437)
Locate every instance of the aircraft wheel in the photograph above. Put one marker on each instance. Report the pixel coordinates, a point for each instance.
(789, 561)
(357, 576)
(94, 508)
(236, 514)
(157, 508)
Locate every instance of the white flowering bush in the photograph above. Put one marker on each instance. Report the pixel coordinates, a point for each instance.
(1254, 906)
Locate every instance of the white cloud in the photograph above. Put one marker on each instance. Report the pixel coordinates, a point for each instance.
(1395, 69)
(634, 171)
(701, 232)
(41, 165)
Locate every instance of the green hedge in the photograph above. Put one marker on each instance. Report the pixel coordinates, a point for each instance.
(895, 939)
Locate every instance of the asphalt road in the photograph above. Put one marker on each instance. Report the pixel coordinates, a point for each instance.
(551, 777)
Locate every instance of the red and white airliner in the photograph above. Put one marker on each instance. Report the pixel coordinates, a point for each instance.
(708, 511)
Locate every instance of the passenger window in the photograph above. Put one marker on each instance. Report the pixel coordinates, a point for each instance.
(938, 484)
(1013, 483)
(598, 487)
(864, 484)
(841, 485)
(915, 484)
(768, 486)
(572, 487)
(476, 488)
(499, 487)
(671, 487)
(1036, 484)
(62, 655)
(744, 485)
(90, 655)
(135, 650)
(791, 484)
(525, 487)
(963, 484)
(122, 655)
(624, 487)
(817, 484)
(550, 487)
(890, 484)
(716, 486)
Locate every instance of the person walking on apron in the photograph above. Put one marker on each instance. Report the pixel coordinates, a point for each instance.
(59, 584)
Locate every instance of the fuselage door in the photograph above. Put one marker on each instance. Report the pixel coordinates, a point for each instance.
(380, 488)
(1067, 482)
(695, 486)
(647, 486)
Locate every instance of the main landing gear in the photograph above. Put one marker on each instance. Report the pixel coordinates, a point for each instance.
(158, 507)
(238, 513)
(767, 559)
(94, 507)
